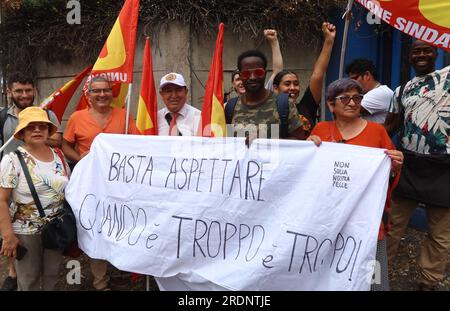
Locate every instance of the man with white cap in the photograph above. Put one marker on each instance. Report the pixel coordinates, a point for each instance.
(178, 118)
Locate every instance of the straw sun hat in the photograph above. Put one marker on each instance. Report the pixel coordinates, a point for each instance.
(33, 114)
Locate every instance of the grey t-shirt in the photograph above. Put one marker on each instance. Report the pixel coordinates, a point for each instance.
(10, 127)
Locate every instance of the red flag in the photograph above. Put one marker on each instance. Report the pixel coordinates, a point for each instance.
(116, 59)
(59, 100)
(213, 115)
(147, 114)
(426, 20)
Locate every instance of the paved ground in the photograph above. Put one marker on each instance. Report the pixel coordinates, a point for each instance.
(402, 274)
(120, 281)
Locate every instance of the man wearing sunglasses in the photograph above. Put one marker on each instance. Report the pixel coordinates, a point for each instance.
(277, 66)
(255, 113)
(21, 92)
(377, 98)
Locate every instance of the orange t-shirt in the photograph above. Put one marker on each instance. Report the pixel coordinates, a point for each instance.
(82, 128)
(373, 135)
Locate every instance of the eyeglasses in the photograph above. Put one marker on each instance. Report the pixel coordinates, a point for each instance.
(258, 72)
(346, 99)
(23, 91)
(32, 127)
(99, 91)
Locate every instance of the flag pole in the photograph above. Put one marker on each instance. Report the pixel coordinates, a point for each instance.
(128, 107)
(7, 143)
(348, 16)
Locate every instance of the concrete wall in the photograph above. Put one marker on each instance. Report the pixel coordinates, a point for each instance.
(180, 50)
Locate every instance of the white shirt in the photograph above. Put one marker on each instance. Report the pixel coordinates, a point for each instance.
(377, 102)
(188, 121)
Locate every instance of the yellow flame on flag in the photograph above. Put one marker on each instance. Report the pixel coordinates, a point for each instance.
(218, 124)
(67, 85)
(436, 11)
(146, 122)
(119, 101)
(115, 46)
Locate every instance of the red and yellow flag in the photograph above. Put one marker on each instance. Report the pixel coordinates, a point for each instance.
(116, 59)
(213, 115)
(147, 114)
(59, 99)
(426, 20)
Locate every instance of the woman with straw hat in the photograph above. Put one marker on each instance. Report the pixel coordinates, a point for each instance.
(20, 222)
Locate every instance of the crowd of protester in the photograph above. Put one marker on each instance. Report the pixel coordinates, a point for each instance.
(365, 113)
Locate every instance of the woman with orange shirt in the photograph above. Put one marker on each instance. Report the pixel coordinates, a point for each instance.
(344, 101)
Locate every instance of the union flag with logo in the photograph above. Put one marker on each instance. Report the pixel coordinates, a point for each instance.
(426, 20)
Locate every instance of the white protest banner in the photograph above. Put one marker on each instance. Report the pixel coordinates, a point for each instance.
(281, 215)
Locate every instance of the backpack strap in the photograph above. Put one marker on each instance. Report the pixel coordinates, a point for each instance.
(229, 109)
(30, 184)
(401, 129)
(283, 112)
(3, 117)
(400, 94)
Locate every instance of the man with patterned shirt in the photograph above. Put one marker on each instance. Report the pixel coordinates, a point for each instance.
(256, 110)
(423, 104)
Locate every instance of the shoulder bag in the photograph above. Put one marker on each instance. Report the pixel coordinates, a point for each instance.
(59, 230)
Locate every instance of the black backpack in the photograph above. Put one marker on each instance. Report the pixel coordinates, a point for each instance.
(282, 107)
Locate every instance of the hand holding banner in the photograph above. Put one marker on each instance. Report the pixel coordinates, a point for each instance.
(282, 215)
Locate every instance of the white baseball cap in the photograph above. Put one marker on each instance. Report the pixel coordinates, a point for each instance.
(172, 78)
